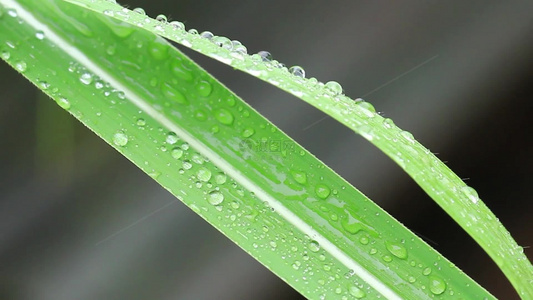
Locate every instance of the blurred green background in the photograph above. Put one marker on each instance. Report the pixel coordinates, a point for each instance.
(79, 221)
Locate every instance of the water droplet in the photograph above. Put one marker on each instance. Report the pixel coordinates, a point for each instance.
(388, 123)
(161, 18)
(44, 85)
(172, 138)
(86, 78)
(176, 153)
(223, 42)
(314, 246)
(224, 116)
(5, 55)
(120, 139)
(411, 279)
(12, 13)
(299, 176)
(158, 50)
(207, 35)
(436, 285)
(63, 103)
(471, 194)
(356, 292)
(248, 132)
(322, 191)
(139, 11)
(220, 178)
(426, 271)
(364, 240)
(297, 71)
(396, 250)
(273, 244)
(408, 136)
(203, 174)
(140, 122)
(193, 31)
(215, 198)
(177, 25)
(239, 48)
(265, 55)
(21, 66)
(367, 106)
(186, 165)
(334, 86)
(173, 94)
(204, 88)
(39, 35)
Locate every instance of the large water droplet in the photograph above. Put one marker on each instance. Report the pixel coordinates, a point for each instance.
(139, 11)
(334, 86)
(314, 246)
(215, 198)
(265, 55)
(471, 194)
(207, 35)
(436, 285)
(297, 71)
(299, 176)
(322, 191)
(396, 250)
(408, 136)
(86, 78)
(224, 116)
(161, 18)
(356, 292)
(171, 138)
(204, 88)
(220, 178)
(177, 25)
(120, 139)
(203, 174)
(176, 153)
(173, 94)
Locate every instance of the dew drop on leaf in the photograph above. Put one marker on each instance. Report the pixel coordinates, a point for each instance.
(176, 153)
(139, 11)
(471, 194)
(265, 55)
(299, 176)
(177, 25)
(396, 250)
(322, 191)
(314, 246)
(334, 86)
(356, 292)
(204, 88)
(203, 174)
(63, 103)
(248, 132)
(207, 35)
(224, 116)
(297, 71)
(21, 66)
(215, 198)
(39, 35)
(161, 18)
(172, 138)
(436, 285)
(86, 78)
(120, 139)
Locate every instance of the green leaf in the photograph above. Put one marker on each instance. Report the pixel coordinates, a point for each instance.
(225, 161)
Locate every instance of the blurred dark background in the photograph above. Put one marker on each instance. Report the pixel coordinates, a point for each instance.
(78, 221)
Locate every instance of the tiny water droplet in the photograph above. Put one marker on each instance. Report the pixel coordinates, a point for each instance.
(186, 165)
(215, 198)
(436, 285)
(265, 55)
(297, 71)
(63, 103)
(193, 31)
(388, 123)
(364, 240)
(39, 35)
(140, 122)
(86, 78)
(12, 13)
(5, 54)
(223, 42)
(322, 191)
(120, 139)
(224, 116)
(173, 94)
(426, 271)
(239, 48)
(334, 86)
